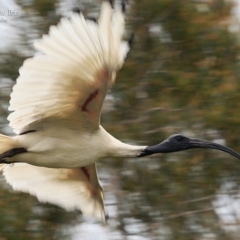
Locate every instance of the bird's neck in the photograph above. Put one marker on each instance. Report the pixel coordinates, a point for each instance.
(117, 148)
(121, 149)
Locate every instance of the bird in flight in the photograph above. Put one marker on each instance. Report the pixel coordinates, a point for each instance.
(56, 104)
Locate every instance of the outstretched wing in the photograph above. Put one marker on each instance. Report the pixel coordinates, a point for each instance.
(76, 188)
(70, 79)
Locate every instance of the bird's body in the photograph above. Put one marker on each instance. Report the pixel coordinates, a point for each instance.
(56, 106)
(81, 148)
(64, 88)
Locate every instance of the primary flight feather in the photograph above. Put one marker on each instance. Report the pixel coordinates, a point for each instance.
(56, 106)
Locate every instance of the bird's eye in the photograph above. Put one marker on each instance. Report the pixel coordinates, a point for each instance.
(179, 138)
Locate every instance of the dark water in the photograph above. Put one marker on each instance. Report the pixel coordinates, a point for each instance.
(182, 76)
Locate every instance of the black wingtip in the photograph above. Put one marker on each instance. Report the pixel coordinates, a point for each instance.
(130, 40)
(123, 7)
(76, 10)
(111, 3)
(124, 4)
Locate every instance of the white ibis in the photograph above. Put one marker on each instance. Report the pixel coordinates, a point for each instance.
(56, 106)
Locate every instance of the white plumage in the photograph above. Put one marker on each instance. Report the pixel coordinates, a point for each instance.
(68, 188)
(79, 58)
(59, 96)
(56, 106)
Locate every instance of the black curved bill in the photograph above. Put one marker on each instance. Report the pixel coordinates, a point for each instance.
(169, 146)
(199, 143)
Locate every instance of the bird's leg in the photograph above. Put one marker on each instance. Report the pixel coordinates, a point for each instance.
(10, 153)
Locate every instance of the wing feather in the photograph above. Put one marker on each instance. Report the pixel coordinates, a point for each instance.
(70, 79)
(68, 188)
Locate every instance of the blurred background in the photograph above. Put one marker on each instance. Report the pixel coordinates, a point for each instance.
(181, 76)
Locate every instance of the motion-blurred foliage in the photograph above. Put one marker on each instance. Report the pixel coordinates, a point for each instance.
(182, 75)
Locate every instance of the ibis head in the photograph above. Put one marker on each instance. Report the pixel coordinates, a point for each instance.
(178, 142)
